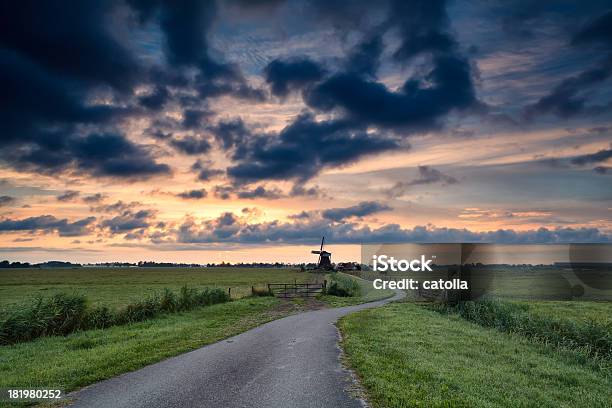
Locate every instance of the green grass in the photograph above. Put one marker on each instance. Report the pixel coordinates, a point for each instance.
(409, 356)
(62, 314)
(116, 287)
(367, 294)
(600, 312)
(85, 357)
(589, 332)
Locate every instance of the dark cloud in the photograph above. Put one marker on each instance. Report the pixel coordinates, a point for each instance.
(70, 41)
(423, 27)
(598, 157)
(227, 192)
(231, 133)
(360, 210)
(128, 221)
(7, 200)
(365, 57)
(259, 192)
(48, 224)
(285, 76)
(570, 97)
(68, 195)
(192, 145)
(186, 31)
(54, 58)
(359, 102)
(205, 170)
(192, 119)
(97, 154)
(427, 175)
(567, 99)
(71, 76)
(300, 216)
(603, 170)
(414, 106)
(596, 31)
(156, 99)
(117, 207)
(94, 198)
(303, 148)
(299, 190)
(193, 194)
(305, 229)
(114, 155)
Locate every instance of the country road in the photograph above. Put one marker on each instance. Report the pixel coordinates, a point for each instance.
(290, 362)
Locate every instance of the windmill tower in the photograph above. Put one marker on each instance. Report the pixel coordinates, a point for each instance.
(324, 261)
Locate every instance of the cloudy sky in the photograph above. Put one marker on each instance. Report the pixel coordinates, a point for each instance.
(246, 130)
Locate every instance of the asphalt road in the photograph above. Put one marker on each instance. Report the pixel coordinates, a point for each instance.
(290, 362)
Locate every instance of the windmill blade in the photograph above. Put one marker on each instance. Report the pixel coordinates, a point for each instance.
(322, 241)
(315, 252)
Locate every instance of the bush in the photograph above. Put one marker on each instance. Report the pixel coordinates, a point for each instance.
(168, 301)
(187, 298)
(139, 311)
(98, 318)
(213, 296)
(343, 286)
(63, 314)
(260, 292)
(57, 315)
(593, 338)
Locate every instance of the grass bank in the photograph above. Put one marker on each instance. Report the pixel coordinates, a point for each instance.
(587, 330)
(409, 356)
(366, 292)
(83, 358)
(62, 314)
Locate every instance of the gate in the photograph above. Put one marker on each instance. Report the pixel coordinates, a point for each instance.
(291, 290)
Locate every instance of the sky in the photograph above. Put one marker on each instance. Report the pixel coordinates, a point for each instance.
(208, 131)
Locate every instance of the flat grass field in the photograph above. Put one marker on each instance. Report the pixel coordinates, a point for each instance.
(410, 356)
(116, 287)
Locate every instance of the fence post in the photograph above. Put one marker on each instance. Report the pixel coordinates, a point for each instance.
(229, 292)
(252, 290)
(324, 283)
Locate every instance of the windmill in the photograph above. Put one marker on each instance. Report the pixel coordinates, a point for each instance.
(324, 261)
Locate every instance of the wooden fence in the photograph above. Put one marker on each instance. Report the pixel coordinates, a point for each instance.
(290, 290)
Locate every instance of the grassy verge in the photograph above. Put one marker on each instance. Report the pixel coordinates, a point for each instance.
(85, 357)
(367, 293)
(589, 332)
(62, 314)
(409, 356)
